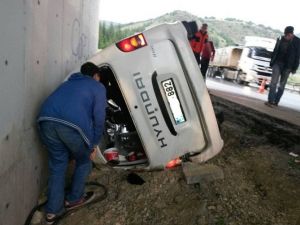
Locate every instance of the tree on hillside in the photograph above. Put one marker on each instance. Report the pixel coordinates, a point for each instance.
(110, 33)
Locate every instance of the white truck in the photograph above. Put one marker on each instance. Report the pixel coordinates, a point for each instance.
(244, 64)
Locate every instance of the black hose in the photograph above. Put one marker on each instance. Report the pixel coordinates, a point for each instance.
(35, 208)
(98, 199)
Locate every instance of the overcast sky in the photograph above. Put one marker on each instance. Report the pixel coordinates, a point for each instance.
(276, 14)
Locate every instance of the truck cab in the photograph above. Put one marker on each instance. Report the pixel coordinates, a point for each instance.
(159, 110)
(255, 60)
(255, 64)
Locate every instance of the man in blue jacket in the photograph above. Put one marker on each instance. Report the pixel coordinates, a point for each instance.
(285, 60)
(71, 122)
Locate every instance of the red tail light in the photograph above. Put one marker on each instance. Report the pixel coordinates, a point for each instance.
(173, 163)
(132, 43)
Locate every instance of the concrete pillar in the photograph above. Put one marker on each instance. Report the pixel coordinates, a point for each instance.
(41, 42)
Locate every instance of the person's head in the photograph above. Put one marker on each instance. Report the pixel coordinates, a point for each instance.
(90, 69)
(204, 28)
(289, 32)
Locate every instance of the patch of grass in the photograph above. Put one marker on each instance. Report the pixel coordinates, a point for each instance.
(292, 164)
(294, 78)
(220, 221)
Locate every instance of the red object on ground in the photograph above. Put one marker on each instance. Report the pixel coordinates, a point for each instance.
(261, 88)
(111, 154)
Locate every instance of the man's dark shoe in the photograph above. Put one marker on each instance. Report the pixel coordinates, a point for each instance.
(50, 218)
(53, 218)
(269, 104)
(86, 199)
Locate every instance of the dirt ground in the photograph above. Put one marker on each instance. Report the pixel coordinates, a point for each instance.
(261, 184)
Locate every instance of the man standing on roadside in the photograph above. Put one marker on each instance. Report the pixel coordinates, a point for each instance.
(198, 41)
(71, 122)
(285, 60)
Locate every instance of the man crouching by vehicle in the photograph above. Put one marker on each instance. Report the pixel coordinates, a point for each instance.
(71, 122)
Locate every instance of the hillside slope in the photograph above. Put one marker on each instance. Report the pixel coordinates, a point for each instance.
(223, 32)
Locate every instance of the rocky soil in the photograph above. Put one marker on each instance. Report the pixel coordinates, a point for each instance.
(261, 184)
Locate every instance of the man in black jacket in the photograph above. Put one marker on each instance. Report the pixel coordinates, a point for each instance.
(285, 60)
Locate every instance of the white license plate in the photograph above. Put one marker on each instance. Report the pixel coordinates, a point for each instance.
(175, 106)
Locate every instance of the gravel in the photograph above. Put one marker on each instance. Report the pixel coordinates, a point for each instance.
(260, 186)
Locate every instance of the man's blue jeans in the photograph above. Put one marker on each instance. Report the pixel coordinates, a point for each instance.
(278, 72)
(63, 143)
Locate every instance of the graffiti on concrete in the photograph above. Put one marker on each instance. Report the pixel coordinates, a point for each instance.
(79, 40)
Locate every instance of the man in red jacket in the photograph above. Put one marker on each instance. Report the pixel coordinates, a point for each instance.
(207, 55)
(198, 41)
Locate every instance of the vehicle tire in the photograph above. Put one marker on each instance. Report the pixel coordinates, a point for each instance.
(209, 72)
(224, 75)
(217, 73)
(239, 80)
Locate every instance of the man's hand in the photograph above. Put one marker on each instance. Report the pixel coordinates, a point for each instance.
(93, 154)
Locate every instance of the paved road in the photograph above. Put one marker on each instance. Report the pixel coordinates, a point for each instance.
(288, 109)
